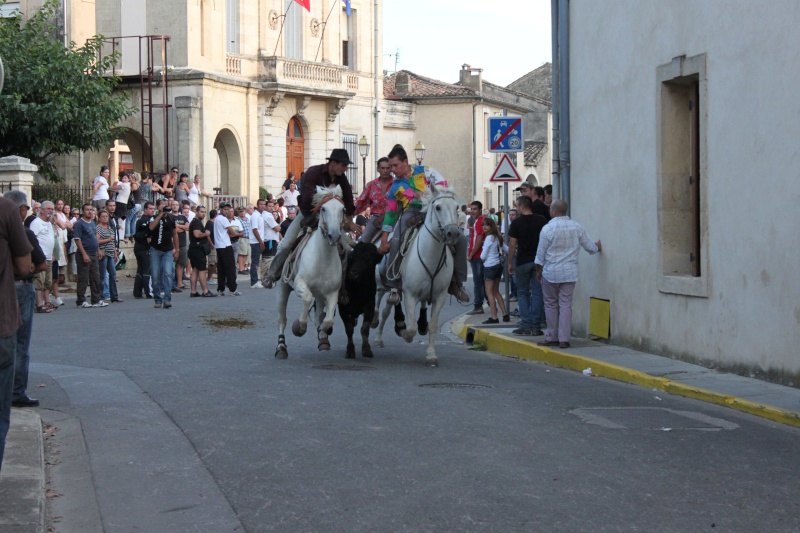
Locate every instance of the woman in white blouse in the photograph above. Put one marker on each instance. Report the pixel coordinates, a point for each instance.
(493, 270)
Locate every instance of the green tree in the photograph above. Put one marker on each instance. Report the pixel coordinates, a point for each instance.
(56, 99)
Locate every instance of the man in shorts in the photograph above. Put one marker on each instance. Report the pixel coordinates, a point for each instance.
(198, 235)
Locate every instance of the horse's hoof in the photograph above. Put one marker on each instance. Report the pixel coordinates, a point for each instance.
(351, 352)
(299, 329)
(399, 328)
(324, 345)
(408, 336)
(380, 344)
(422, 328)
(366, 352)
(430, 363)
(329, 331)
(350, 356)
(281, 353)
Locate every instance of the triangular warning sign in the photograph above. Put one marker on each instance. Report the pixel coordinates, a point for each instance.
(505, 171)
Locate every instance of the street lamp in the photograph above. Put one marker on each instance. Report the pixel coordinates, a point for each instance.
(419, 152)
(363, 149)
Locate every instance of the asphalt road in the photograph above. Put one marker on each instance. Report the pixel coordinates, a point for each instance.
(167, 424)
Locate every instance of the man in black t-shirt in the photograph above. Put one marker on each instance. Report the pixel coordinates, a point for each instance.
(180, 215)
(164, 249)
(523, 241)
(211, 259)
(141, 249)
(288, 222)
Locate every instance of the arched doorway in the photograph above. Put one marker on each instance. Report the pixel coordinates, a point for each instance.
(230, 163)
(295, 148)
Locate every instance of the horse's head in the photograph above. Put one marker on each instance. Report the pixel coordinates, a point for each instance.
(329, 206)
(442, 212)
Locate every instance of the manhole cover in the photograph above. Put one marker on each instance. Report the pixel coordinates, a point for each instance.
(455, 386)
(343, 367)
(654, 418)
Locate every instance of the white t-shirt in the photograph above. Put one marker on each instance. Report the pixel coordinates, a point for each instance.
(290, 198)
(221, 237)
(269, 223)
(194, 194)
(45, 235)
(124, 193)
(490, 253)
(255, 223)
(102, 191)
(191, 216)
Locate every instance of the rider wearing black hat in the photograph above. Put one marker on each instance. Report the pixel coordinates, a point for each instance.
(329, 175)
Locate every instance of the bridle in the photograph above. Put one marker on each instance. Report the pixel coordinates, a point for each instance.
(442, 262)
(441, 229)
(318, 208)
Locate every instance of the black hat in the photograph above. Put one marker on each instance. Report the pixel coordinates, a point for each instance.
(340, 155)
(223, 205)
(524, 185)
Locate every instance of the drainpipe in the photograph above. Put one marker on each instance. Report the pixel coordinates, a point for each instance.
(555, 175)
(376, 146)
(563, 94)
(475, 150)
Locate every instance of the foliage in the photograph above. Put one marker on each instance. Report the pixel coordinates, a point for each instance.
(262, 193)
(56, 99)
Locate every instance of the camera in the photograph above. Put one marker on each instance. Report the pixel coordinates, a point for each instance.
(167, 210)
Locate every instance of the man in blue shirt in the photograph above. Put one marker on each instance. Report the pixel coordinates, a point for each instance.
(87, 259)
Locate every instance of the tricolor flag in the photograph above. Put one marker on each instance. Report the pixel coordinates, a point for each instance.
(347, 7)
(305, 3)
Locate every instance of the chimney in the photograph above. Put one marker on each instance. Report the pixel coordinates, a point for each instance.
(471, 77)
(402, 84)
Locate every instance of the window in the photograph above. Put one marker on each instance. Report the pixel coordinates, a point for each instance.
(9, 9)
(682, 216)
(348, 31)
(293, 30)
(350, 142)
(231, 26)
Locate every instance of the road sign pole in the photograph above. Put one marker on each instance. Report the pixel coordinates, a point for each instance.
(505, 237)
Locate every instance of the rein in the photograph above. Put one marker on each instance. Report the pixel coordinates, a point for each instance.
(317, 208)
(442, 262)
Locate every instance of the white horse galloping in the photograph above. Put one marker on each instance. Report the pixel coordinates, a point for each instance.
(318, 272)
(427, 268)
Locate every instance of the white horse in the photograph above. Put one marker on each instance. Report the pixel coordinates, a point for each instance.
(318, 272)
(427, 268)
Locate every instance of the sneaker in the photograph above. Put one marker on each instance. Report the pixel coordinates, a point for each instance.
(209, 294)
(394, 297)
(85, 305)
(56, 301)
(212, 282)
(157, 305)
(506, 318)
(220, 293)
(257, 285)
(515, 312)
(522, 331)
(101, 303)
(491, 321)
(476, 311)
(167, 305)
(512, 299)
(195, 295)
(236, 293)
(186, 278)
(538, 333)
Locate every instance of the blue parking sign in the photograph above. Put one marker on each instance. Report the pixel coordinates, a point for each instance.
(505, 134)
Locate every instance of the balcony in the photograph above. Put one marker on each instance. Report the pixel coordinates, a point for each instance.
(323, 77)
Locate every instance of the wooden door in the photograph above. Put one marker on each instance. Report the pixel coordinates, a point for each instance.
(295, 149)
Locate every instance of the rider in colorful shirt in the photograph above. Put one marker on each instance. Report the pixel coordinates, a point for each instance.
(404, 205)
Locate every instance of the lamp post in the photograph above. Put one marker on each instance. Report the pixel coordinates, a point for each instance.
(419, 152)
(363, 150)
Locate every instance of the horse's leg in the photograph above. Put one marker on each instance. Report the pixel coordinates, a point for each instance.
(422, 322)
(366, 349)
(411, 329)
(348, 329)
(399, 320)
(436, 308)
(384, 317)
(327, 323)
(281, 352)
(300, 325)
(376, 315)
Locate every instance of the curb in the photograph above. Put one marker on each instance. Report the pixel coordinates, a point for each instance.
(22, 483)
(511, 347)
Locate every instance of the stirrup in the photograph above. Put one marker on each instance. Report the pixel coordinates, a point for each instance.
(394, 297)
(459, 292)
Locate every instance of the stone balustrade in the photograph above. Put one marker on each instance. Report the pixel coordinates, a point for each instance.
(309, 73)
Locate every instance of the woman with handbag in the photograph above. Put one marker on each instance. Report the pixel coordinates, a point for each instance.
(492, 257)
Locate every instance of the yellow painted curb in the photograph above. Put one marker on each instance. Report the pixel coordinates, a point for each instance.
(509, 346)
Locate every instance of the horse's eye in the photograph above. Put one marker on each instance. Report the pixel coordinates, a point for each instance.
(438, 208)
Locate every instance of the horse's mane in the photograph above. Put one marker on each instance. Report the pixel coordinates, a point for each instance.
(428, 196)
(322, 192)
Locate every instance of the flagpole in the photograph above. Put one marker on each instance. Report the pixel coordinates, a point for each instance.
(325, 25)
(278, 42)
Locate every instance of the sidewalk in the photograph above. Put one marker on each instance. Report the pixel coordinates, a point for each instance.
(22, 480)
(753, 396)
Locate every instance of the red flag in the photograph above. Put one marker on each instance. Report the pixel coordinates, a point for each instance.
(305, 3)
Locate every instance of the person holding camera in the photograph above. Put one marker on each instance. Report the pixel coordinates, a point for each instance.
(225, 232)
(164, 250)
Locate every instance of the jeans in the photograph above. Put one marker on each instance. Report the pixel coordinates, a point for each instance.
(255, 259)
(529, 296)
(7, 347)
(512, 292)
(477, 281)
(162, 274)
(130, 220)
(26, 298)
(88, 274)
(108, 272)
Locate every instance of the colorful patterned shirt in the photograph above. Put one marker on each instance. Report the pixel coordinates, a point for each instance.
(374, 197)
(403, 194)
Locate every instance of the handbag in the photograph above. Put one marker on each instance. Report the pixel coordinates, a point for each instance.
(206, 247)
(131, 203)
